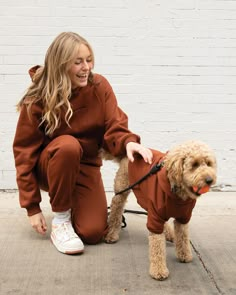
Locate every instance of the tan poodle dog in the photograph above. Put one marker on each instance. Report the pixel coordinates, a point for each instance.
(185, 172)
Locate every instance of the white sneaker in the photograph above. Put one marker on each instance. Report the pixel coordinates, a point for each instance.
(65, 239)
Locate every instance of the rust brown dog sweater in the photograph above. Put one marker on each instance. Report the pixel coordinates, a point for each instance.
(155, 195)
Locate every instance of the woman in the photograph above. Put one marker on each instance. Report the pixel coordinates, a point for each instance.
(66, 116)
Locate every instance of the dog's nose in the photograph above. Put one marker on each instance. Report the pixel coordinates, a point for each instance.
(208, 180)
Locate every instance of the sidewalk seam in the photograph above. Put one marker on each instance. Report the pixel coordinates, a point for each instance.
(209, 273)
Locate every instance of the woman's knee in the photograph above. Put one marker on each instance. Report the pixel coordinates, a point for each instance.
(92, 235)
(66, 147)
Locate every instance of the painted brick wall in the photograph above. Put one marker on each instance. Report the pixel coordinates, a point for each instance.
(171, 63)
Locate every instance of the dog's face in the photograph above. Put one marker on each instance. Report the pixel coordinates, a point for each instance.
(191, 169)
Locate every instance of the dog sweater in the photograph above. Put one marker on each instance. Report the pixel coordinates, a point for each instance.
(155, 196)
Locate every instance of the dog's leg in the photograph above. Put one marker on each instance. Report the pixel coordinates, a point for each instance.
(182, 242)
(115, 218)
(118, 203)
(169, 233)
(157, 256)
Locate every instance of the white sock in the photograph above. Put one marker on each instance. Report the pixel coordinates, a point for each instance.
(61, 217)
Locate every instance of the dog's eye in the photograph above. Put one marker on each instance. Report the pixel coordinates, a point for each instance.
(209, 163)
(195, 164)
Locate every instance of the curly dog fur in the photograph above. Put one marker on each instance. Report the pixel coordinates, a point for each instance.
(188, 166)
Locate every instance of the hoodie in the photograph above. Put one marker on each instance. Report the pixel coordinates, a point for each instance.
(97, 122)
(155, 195)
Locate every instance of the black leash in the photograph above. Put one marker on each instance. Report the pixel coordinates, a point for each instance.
(124, 224)
(152, 171)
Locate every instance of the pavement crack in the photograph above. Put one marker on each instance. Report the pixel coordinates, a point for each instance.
(209, 273)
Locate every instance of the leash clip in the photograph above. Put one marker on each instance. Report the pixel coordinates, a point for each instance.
(156, 168)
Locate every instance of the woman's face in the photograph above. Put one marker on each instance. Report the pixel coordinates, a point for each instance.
(80, 69)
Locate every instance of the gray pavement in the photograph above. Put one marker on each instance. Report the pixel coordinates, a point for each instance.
(31, 265)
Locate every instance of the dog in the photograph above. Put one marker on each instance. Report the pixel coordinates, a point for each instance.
(185, 173)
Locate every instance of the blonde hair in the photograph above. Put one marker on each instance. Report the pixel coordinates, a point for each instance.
(51, 84)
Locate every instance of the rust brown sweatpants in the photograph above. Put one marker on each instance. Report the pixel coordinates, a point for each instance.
(74, 185)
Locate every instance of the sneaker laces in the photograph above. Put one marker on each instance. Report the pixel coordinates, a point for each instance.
(64, 232)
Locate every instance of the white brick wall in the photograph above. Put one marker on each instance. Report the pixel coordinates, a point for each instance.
(172, 65)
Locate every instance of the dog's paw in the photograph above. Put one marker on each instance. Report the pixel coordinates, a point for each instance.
(185, 257)
(111, 238)
(160, 273)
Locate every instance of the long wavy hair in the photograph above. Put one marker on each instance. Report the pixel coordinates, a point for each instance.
(51, 84)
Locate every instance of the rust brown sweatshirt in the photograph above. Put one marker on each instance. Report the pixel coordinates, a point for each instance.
(97, 122)
(155, 196)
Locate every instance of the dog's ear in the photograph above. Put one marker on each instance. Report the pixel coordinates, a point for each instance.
(174, 166)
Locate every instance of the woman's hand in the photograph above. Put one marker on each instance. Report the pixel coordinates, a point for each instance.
(134, 147)
(38, 222)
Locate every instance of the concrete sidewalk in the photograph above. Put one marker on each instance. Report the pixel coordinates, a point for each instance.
(31, 265)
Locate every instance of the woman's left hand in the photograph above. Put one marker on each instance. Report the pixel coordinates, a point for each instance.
(134, 147)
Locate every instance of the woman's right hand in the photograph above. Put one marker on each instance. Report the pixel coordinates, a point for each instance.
(38, 222)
